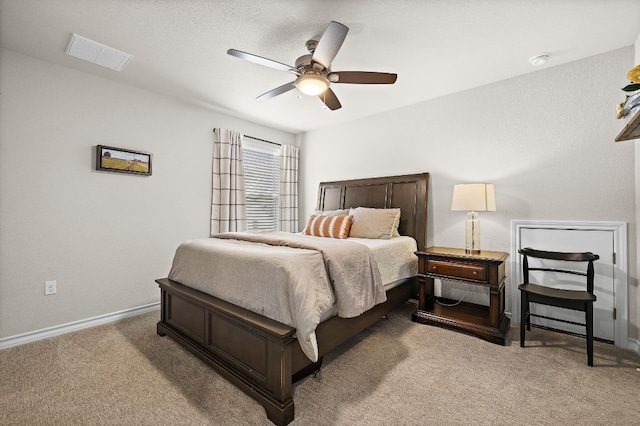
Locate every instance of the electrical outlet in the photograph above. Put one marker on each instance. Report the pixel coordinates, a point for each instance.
(50, 287)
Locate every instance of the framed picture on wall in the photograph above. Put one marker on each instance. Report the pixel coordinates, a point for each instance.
(111, 159)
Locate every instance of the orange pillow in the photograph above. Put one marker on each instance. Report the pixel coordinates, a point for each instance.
(328, 226)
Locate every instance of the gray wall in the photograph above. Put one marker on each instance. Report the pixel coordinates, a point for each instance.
(104, 237)
(544, 139)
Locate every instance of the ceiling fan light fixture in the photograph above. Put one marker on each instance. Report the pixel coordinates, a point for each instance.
(312, 84)
(314, 70)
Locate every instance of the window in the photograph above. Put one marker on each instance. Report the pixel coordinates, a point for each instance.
(262, 183)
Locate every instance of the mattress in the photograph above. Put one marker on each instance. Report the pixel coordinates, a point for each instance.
(395, 257)
(396, 261)
(290, 283)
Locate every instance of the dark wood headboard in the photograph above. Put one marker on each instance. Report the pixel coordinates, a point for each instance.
(407, 192)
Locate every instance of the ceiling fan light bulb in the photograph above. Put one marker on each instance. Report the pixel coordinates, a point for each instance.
(312, 84)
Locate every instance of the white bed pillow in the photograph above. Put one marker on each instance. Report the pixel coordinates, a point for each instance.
(374, 223)
(340, 212)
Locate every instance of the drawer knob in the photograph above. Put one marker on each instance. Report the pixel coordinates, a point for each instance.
(435, 268)
(475, 272)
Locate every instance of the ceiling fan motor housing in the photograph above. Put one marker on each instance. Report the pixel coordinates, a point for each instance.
(303, 61)
(305, 65)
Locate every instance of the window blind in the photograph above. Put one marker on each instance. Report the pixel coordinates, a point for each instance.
(262, 184)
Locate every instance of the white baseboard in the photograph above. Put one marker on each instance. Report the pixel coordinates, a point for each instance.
(57, 330)
(45, 333)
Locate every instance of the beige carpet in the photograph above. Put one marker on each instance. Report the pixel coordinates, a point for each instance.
(395, 373)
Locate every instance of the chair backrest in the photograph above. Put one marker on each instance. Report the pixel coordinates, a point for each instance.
(562, 256)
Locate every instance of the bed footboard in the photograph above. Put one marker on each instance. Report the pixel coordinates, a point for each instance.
(251, 351)
(258, 355)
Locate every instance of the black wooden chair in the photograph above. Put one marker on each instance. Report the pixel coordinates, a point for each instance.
(570, 299)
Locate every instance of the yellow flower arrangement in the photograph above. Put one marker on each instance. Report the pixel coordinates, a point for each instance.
(632, 102)
(634, 75)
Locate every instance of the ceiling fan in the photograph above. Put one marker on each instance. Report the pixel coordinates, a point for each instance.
(314, 70)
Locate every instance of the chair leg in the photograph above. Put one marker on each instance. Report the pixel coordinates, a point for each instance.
(589, 324)
(524, 309)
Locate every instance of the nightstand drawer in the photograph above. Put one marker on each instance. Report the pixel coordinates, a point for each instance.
(463, 271)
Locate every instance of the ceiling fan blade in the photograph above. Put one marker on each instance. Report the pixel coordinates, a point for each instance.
(330, 43)
(362, 77)
(262, 61)
(277, 91)
(330, 99)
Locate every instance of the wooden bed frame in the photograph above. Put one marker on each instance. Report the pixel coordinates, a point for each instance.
(261, 356)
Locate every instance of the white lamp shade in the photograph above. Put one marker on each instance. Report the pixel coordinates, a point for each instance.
(479, 197)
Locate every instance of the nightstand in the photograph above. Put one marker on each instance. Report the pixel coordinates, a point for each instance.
(451, 264)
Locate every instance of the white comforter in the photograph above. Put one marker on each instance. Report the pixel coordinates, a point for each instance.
(291, 278)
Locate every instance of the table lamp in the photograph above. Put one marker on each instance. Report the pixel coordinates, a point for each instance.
(473, 198)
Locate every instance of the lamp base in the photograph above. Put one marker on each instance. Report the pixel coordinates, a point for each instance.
(472, 243)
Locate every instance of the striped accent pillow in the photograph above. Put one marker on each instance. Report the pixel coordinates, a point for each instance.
(328, 226)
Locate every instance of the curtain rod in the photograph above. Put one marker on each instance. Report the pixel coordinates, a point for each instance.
(258, 139)
(262, 140)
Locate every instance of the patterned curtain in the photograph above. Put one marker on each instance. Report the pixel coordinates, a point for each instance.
(228, 205)
(289, 188)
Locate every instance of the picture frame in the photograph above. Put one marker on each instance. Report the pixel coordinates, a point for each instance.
(121, 160)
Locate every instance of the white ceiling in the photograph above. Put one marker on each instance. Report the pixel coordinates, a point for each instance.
(436, 47)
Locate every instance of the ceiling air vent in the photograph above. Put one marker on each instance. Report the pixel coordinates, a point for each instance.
(97, 53)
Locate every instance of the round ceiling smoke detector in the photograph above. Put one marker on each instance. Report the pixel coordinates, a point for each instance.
(539, 59)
